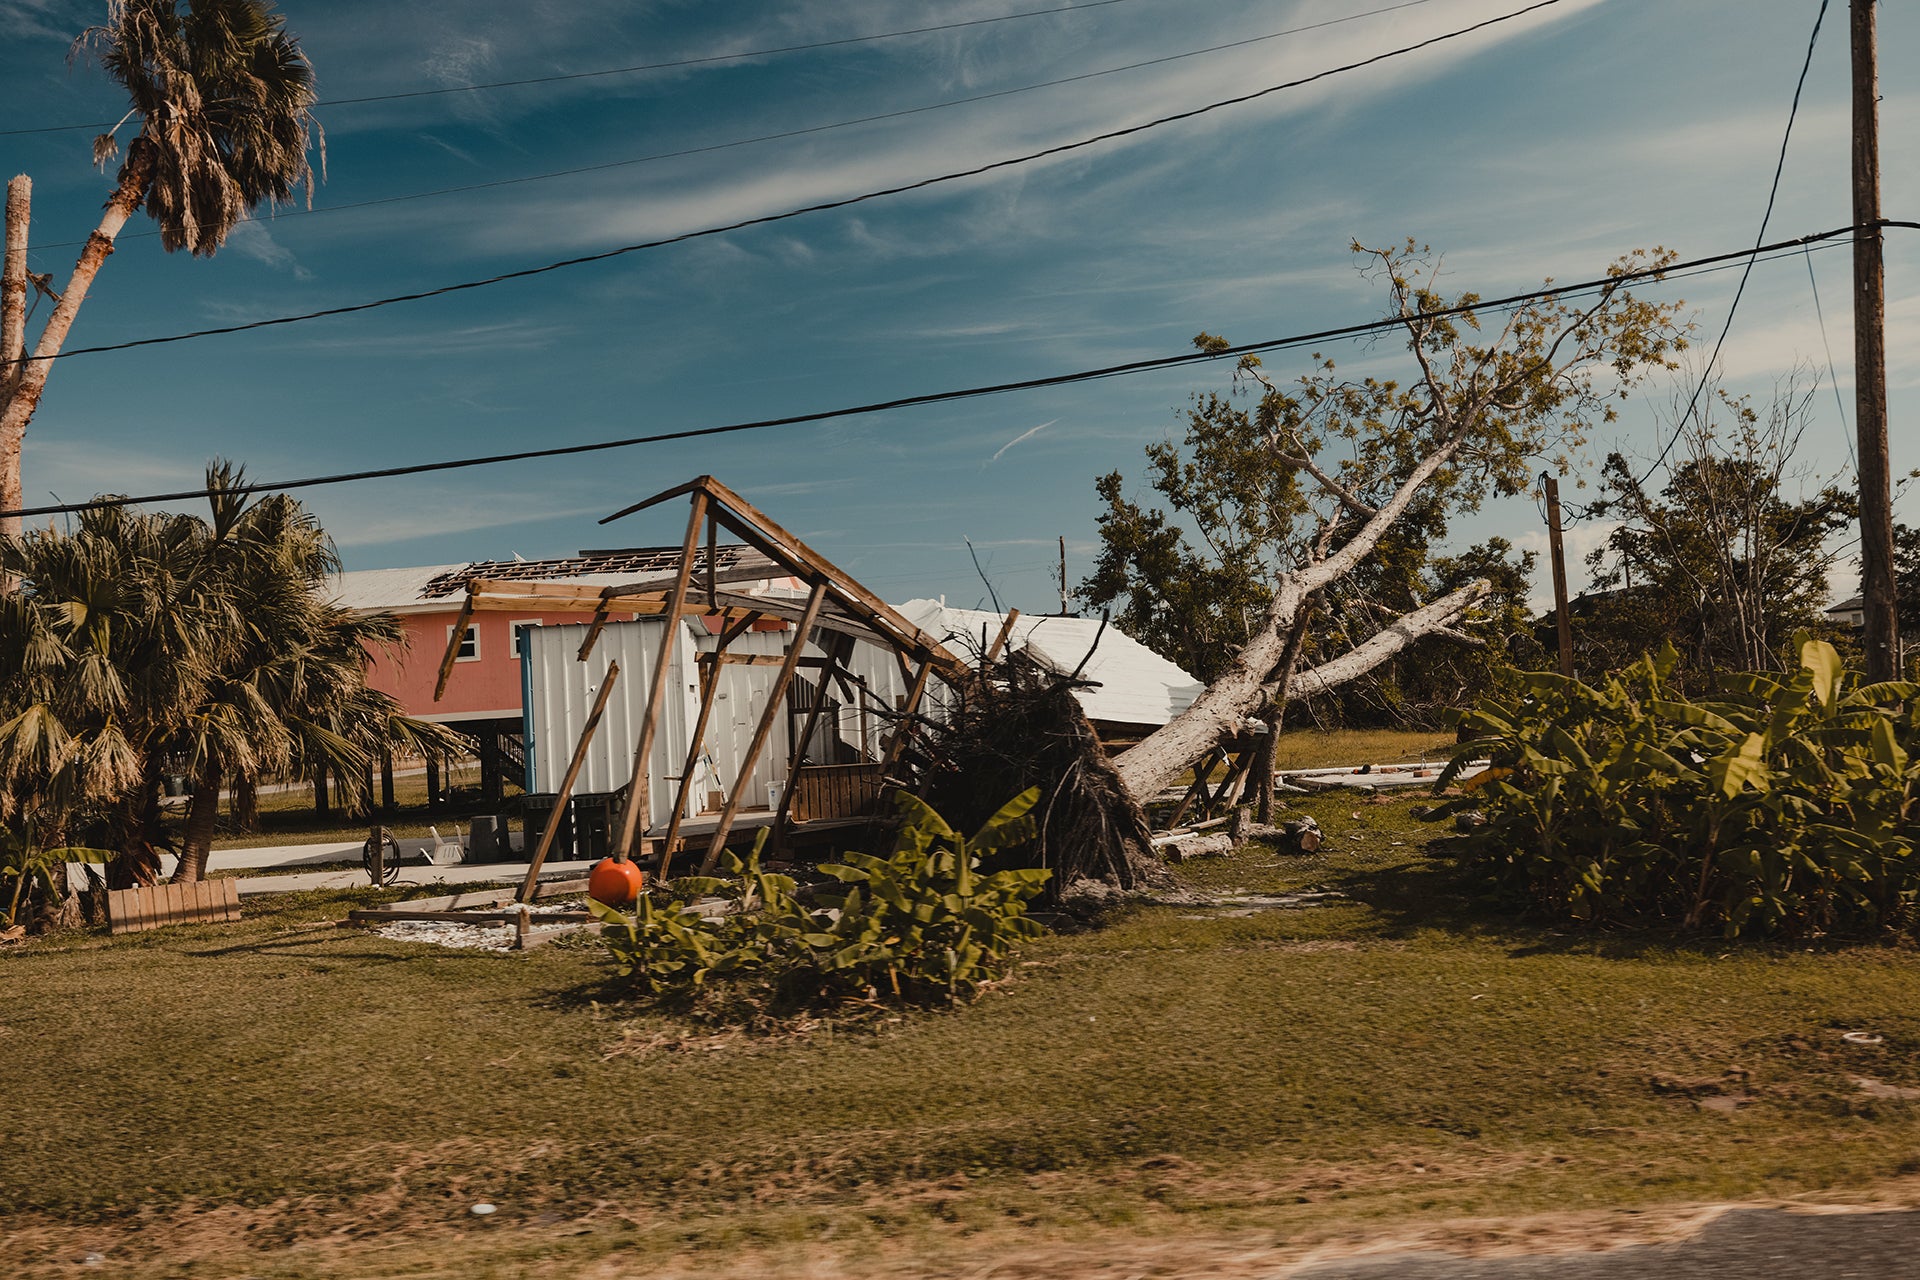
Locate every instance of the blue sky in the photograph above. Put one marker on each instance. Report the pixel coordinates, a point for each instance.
(1543, 147)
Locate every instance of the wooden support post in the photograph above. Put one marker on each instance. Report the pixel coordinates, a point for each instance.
(764, 729)
(559, 814)
(709, 685)
(905, 728)
(1006, 629)
(1558, 551)
(1202, 773)
(433, 783)
(1241, 763)
(713, 562)
(386, 781)
(633, 818)
(839, 649)
(454, 639)
(322, 803)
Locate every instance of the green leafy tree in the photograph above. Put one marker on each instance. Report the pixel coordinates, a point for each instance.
(1730, 559)
(1348, 480)
(224, 98)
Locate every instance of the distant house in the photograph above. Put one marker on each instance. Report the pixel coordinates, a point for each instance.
(1850, 612)
(1133, 691)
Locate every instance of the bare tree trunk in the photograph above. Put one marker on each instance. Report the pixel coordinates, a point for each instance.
(196, 842)
(246, 804)
(31, 380)
(1250, 682)
(13, 283)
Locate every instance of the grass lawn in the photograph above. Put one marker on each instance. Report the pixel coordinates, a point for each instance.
(288, 817)
(282, 1098)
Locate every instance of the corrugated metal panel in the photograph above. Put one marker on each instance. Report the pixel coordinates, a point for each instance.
(562, 690)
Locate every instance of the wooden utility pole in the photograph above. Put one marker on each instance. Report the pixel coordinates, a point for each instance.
(1063, 575)
(1559, 553)
(1882, 632)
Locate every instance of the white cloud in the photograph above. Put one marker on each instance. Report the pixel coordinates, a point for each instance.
(251, 239)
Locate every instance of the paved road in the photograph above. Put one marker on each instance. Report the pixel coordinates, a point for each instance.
(1749, 1244)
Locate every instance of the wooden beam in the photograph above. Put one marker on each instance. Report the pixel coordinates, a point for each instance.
(713, 556)
(734, 630)
(593, 632)
(633, 818)
(453, 647)
(559, 814)
(1006, 629)
(741, 519)
(901, 734)
(754, 527)
(840, 648)
(758, 659)
(762, 731)
(709, 685)
(697, 484)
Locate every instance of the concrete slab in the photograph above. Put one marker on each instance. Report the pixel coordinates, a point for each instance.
(412, 876)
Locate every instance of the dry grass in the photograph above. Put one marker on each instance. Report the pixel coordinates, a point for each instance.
(1313, 749)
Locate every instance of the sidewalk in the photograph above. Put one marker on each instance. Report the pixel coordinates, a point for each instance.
(414, 871)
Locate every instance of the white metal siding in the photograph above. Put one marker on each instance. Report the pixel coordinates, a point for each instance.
(563, 689)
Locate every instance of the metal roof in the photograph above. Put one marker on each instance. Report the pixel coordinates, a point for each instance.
(1133, 684)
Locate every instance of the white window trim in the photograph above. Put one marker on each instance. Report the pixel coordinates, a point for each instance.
(514, 628)
(473, 628)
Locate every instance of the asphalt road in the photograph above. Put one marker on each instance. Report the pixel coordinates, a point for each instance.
(1749, 1244)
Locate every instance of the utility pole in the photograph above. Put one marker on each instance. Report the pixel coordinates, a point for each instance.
(1559, 553)
(1063, 575)
(1882, 631)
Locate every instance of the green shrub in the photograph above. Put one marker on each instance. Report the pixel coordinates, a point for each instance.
(1776, 808)
(922, 926)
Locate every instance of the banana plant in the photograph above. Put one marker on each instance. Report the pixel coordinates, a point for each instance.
(24, 861)
(1779, 805)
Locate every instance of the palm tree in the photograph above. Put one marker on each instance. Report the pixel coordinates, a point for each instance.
(144, 641)
(293, 699)
(225, 100)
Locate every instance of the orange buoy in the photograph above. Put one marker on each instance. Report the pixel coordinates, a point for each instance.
(615, 883)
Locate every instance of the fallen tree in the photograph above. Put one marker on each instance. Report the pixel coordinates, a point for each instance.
(1478, 419)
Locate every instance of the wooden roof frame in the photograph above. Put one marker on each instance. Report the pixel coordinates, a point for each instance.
(848, 607)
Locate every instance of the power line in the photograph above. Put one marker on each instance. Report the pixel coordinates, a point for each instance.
(644, 66)
(789, 133)
(1833, 374)
(765, 219)
(1773, 192)
(1608, 282)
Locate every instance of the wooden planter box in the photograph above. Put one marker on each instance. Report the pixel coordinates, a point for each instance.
(827, 791)
(158, 905)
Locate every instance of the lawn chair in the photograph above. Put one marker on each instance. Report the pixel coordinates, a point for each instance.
(442, 852)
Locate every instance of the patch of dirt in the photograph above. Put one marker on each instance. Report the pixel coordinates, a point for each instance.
(390, 1234)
